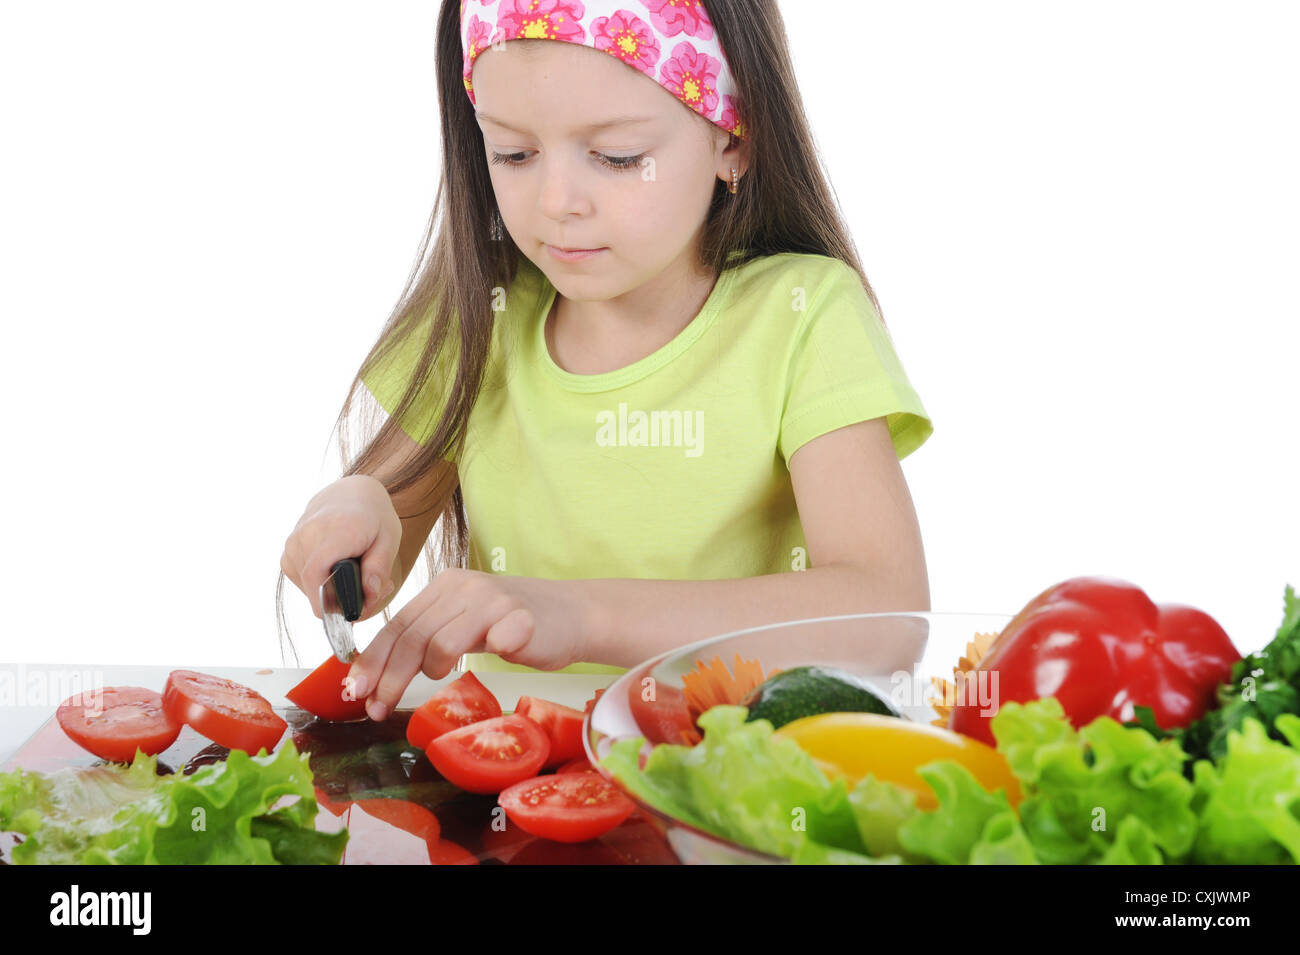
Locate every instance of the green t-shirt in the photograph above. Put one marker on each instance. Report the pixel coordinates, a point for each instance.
(673, 467)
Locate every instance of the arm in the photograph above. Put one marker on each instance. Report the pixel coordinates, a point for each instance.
(864, 545)
(424, 501)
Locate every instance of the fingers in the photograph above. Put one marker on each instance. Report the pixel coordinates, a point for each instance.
(377, 562)
(373, 660)
(317, 570)
(354, 517)
(377, 573)
(461, 635)
(424, 630)
(511, 633)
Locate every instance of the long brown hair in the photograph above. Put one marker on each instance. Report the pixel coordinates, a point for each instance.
(784, 204)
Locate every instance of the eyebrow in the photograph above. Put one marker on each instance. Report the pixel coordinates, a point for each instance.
(606, 124)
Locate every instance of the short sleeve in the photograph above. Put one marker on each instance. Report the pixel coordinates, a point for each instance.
(844, 369)
(388, 378)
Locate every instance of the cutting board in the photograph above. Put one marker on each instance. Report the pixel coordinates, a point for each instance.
(365, 760)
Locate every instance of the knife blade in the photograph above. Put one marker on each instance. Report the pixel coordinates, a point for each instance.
(341, 601)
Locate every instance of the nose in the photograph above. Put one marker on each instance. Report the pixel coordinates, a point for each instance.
(562, 193)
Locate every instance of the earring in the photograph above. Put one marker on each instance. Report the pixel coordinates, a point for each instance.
(735, 181)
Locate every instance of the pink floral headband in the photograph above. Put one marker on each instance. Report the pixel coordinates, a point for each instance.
(670, 41)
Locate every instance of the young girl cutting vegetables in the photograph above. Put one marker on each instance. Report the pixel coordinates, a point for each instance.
(640, 370)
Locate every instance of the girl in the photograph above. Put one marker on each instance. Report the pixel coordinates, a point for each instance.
(642, 371)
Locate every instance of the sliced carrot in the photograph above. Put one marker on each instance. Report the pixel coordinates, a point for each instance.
(712, 684)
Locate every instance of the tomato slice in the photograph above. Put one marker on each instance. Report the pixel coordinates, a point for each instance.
(455, 705)
(665, 717)
(115, 721)
(488, 756)
(326, 693)
(572, 807)
(562, 724)
(224, 711)
(591, 703)
(579, 765)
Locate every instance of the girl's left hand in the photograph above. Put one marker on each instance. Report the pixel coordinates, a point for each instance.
(539, 623)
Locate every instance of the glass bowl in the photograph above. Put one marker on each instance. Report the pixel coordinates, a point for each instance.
(898, 653)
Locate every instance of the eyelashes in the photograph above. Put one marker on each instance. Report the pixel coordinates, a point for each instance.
(611, 162)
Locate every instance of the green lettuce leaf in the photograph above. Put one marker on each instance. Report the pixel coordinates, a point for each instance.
(814, 853)
(1133, 845)
(744, 784)
(950, 833)
(881, 808)
(227, 813)
(1081, 786)
(1003, 842)
(1250, 801)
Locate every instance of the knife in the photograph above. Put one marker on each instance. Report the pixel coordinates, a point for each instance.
(341, 600)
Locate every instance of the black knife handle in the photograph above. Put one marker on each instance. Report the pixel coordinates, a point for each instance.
(347, 584)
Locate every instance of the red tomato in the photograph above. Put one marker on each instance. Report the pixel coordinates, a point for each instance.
(579, 765)
(455, 705)
(563, 726)
(224, 711)
(326, 693)
(591, 703)
(115, 721)
(488, 756)
(572, 807)
(664, 717)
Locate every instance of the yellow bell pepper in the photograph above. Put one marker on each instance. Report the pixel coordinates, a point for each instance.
(855, 745)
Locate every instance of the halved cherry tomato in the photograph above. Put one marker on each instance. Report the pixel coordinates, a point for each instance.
(455, 705)
(571, 807)
(224, 711)
(579, 765)
(326, 693)
(663, 717)
(113, 722)
(488, 756)
(562, 724)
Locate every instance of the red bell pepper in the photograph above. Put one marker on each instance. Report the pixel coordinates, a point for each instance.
(1101, 647)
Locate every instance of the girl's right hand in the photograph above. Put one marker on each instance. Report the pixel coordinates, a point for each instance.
(353, 517)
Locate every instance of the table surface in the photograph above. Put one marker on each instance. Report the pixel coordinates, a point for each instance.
(31, 692)
(355, 766)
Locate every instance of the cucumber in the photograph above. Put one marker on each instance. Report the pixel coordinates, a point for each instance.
(809, 690)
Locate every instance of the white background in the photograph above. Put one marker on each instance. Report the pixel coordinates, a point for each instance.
(1080, 220)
